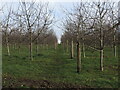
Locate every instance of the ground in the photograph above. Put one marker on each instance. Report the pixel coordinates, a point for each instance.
(53, 68)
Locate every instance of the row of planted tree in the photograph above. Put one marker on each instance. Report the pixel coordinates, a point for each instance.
(29, 24)
(93, 25)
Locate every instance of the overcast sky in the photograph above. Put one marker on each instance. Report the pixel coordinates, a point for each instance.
(58, 11)
(58, 6)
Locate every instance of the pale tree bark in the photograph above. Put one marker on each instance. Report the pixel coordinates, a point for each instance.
(114, 32)
(101, 49)
(29, 25)
(102, 12)
(101, 58)
(37, 46)
(20, 28)
(114, 44)
(7, 41)
(7, 45)
(84, 55)
(6, 33)
(72, 50)
(67, 46)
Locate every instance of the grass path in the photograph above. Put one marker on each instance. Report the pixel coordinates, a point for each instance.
(54, 68)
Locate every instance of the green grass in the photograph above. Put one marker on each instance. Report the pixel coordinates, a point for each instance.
(56, 66)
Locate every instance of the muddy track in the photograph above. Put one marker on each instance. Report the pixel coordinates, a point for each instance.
(28, 83)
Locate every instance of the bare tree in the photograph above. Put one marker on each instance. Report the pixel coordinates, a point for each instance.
(35, 15)
(113, 20)
(78, 18)
(6, 28)
(92, 27)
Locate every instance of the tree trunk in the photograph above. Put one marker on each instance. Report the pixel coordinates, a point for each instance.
(55, 46)
(7, 45)
(101, 60)
(19, 48)
(114, 45)
(67, 46)
(14, 45)
(84, 51)
(46, 46)
(30, 46)
(101, 50)
(78, 58)
(8, 49)
(72, 50)
(37, 46)
(64, 46)
(115, 54)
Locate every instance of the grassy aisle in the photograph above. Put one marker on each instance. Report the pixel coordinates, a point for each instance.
(53, 68)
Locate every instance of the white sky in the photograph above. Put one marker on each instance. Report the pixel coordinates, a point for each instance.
(57, 4)
(57, 11)
(58, 0)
